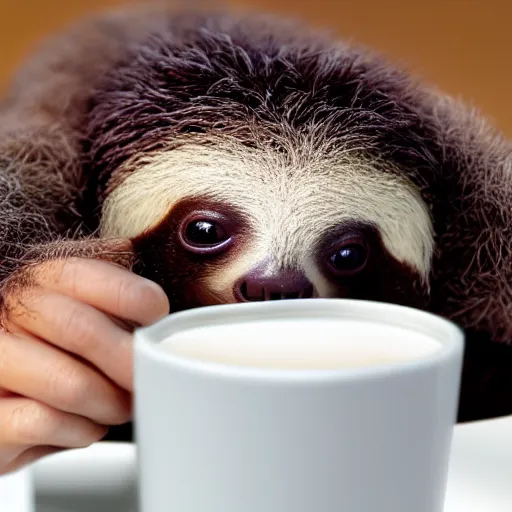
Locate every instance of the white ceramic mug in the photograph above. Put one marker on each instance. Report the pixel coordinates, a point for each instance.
(222, 437)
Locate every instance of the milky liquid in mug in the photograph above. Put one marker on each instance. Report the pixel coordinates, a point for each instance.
(302, 344)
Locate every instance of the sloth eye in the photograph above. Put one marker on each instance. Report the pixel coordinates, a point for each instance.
(349, 259)
(205, 232)
(205, 236)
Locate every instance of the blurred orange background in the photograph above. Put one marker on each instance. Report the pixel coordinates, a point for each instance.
(463, 46)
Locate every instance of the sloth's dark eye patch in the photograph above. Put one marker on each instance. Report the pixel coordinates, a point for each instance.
(205, 233)
(350, 258)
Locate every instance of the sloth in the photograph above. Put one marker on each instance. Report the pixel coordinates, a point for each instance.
(248, 157)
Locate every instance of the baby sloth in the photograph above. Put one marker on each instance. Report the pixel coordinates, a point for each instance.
(249, 158)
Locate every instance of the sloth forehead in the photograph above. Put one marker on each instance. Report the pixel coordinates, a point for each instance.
(290, 200)
(254, 79)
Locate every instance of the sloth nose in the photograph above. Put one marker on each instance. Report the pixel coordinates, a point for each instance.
(256, 286)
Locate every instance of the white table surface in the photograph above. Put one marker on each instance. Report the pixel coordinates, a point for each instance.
(102, 478)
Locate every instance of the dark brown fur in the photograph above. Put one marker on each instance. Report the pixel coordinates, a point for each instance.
(134, 82)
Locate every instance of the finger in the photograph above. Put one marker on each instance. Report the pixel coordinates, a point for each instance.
(28, 456)
(37, 370)
(27, 423)
(107, 287)
(16, 452)
(79, 329)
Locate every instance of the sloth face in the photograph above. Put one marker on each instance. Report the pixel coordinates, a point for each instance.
(224, 224)
(248, 162)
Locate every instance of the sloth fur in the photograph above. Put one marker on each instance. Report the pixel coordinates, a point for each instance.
(221, 101)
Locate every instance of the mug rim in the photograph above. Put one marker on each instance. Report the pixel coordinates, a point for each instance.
(448, 334)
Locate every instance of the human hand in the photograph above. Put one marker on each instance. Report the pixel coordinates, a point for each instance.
(66, 355)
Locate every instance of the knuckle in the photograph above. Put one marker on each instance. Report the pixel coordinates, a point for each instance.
(125, 296)
(79, 330)
(33, 423)
(70, 385)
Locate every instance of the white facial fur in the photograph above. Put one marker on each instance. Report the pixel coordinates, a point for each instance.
(292, 200)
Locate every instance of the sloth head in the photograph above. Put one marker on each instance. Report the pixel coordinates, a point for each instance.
(248, 162)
